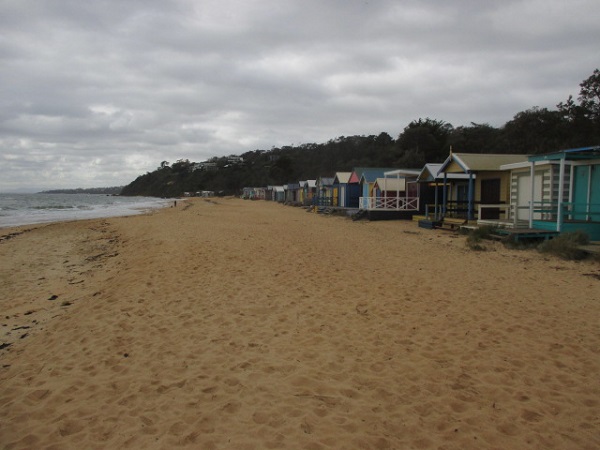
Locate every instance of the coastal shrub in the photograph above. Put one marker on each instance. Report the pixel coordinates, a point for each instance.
(525, 244)
(479, 234)
(484, 232)
(566, 246)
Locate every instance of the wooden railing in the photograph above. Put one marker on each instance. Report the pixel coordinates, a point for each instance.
(567, 211)
(507, 209)
(389, 203)
(546, 211)
(322, 201)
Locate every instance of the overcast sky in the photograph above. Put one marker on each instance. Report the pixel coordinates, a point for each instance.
(95, 93)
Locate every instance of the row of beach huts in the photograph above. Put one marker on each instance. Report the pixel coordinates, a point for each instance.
(525, 196)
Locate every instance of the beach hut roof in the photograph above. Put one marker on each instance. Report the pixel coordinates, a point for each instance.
(354, 178)
(311, 183)
(526, 164)
(477, 162)
(342, 177)
(278, 188)
(370, 175)
(570, 154)
(431, 173)
(359, 171)
(325, 181)
(402, 173)
(391, 184)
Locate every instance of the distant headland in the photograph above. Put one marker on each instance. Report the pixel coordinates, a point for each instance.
(116, 190)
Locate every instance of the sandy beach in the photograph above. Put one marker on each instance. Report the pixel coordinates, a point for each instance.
(233, 324)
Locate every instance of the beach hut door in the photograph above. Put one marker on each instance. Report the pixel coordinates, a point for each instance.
(586, 192)
(490, 195)
(524, 195)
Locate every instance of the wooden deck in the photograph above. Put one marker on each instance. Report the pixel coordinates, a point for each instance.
(518, 234)
(452, 224)
(503, 223)
(593, 248)
(429, 224)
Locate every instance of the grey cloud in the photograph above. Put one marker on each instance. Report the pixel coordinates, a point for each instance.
(111, 88)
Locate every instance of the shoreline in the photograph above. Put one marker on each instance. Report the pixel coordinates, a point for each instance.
(74, 211)
(235, 324)
(11, 229)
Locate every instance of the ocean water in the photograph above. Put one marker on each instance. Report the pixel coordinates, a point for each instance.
(27, 209)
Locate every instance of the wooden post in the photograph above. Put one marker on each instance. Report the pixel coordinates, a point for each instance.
(436, 203)
(445, 194)
(470, 197)
(561, 181)
(588, 200)
(532, 174)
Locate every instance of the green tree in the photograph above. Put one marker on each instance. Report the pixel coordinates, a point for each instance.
(583, 118)
(182, 166)
(536, 130)
(589, 96)
(282, 170)
(427, 137)
(477, 138)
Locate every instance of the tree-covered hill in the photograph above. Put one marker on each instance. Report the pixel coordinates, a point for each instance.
(115, 190)
(575, 123)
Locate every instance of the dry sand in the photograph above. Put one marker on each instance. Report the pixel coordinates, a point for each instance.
(252, 325)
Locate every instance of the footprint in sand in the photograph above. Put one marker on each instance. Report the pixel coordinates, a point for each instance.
(232, 407)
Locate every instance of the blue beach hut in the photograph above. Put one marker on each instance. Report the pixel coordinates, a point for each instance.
(341, 189)
(572, 201)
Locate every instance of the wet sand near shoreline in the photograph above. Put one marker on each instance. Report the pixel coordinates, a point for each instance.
(234, 324)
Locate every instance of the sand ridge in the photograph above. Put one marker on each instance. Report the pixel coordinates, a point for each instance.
(238, 324)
